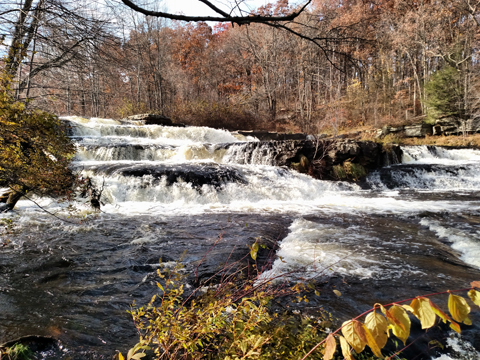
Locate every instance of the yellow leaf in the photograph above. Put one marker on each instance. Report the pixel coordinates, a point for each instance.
(338, 293)
(346, 352)
(254, 251)
(356, 340)
(330, 347)
(138, 356)
(439, 312)
(384, 311)
(400, 322)
(372, 343)
(378, 326)
(459, 309)
(424, 312)
(455, 326)
(474, 295)
(120, 356)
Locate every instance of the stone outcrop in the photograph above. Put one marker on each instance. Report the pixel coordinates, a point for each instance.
(320, 158)
(153, 119)
(455, 126)
(419, 130)
(444, 126)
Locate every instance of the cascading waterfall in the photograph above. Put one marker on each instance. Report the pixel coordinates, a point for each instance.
(171, 191)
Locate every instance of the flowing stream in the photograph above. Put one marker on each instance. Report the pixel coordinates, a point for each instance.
(170, 193)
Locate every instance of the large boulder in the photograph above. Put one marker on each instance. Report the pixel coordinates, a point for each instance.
(418, 130)
(473, 125)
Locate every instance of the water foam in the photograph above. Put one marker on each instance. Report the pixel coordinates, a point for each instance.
(466, 243)
(314, 249)
(459, 349)
(101, 131)
(436, 155)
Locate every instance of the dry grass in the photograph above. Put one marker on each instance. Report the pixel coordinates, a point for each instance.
(369, 133)
(453, 141)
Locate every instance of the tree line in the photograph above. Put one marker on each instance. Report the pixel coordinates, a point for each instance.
(334, 64)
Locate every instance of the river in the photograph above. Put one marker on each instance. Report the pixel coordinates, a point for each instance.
(170, 192)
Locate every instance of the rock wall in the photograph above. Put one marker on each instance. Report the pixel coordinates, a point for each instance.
(444, 126)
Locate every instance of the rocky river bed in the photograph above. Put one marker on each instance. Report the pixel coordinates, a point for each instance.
(410, 228)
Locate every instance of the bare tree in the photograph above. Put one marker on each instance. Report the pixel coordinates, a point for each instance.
(46, 34)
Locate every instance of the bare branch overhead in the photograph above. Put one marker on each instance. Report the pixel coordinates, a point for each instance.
(224, 16)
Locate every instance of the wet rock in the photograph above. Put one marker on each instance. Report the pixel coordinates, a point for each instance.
(154, 119)
(343, 150)
(315, 157)
(271, 135)
(194, 174)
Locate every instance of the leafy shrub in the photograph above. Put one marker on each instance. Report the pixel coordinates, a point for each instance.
(34, 149)
(224, 322)
(17, 352)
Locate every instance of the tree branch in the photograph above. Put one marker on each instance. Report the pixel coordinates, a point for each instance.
(225, 17)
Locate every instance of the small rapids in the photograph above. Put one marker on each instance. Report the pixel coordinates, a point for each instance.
(170, 193)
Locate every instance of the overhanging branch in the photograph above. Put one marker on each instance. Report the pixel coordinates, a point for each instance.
(225, 17)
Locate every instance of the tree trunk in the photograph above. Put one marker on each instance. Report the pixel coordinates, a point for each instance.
(10, 201)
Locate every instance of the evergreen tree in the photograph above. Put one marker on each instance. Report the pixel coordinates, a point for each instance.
(445, 94)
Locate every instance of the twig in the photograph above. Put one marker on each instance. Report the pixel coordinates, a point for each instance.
(48, 212)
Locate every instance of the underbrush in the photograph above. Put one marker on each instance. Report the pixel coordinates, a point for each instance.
(215, 114)
(235, 319)
(472, 140)
(16, 352)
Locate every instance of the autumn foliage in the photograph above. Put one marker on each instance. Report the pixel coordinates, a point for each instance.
(34, 150)
(340, 64)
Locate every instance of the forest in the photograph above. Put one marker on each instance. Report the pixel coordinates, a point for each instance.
(339, 64)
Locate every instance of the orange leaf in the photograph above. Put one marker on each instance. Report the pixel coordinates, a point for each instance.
(475, 284)
(455, 326)
(330, 347)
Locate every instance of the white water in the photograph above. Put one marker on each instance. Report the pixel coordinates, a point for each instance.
(267, 189)
(393, 235)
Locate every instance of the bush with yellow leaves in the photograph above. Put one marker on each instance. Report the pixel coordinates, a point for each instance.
(224, 322)
(375, 330)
